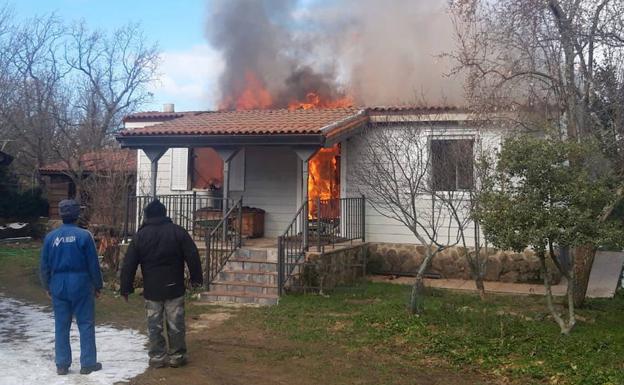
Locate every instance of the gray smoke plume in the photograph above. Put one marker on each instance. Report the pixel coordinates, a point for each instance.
(377, 52)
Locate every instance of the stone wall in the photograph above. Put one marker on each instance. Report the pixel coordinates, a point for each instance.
(342, 267)
(503, 266)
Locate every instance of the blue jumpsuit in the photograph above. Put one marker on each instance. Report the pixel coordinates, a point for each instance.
(70, 272)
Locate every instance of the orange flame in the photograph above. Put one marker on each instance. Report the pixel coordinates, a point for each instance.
(254, 96)
(324, 181)
(313, 100)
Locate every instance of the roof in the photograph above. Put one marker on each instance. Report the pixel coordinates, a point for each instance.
(156, 115)
(250, 122)
(292, 127)
(413, 109)
(111, 159)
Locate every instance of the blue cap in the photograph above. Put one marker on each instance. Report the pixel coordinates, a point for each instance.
(69, 210)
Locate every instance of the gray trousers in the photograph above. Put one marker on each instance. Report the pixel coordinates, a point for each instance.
(170, 312)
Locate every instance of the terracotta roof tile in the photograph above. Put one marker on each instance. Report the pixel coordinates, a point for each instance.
(117, 159)
(415, 109)
(157, 115)
(250, 122)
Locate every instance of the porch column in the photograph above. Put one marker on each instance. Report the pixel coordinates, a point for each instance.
(304, 154)
(154, 154)
(226, 154)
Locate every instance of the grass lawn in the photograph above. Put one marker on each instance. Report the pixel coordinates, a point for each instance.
(364, 335)
(504, 337)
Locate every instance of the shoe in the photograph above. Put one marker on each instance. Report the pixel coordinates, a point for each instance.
(62, 371)
(178, 362)
(157, 363)
(91, 369)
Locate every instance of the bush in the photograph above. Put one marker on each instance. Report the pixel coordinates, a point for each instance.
(16, 205)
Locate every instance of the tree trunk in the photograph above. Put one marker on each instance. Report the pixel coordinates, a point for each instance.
(417, 298)
(480, 286)
(583, 262)
(416, 305)
(565, 326)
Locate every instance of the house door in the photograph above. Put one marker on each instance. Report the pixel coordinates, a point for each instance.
(324, 182)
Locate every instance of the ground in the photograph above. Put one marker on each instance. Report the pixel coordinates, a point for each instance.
(363, 335)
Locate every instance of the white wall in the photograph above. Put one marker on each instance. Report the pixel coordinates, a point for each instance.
(271, 185)
(380, 228)
(163, 179)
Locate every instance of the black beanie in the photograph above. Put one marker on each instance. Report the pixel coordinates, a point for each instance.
(155, 209)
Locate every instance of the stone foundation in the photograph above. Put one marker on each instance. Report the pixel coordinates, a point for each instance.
(342, 267)
(503, 266)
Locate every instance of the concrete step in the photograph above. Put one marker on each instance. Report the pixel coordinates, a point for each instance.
(251, 276)
(239, 297)
(244, 287)
(257, 253)
(247, 264)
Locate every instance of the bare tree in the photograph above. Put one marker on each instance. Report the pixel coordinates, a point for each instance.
(31, 75)
(69, 88)
(112, 74)
(112, 174)
(545, 59)
(398, 175)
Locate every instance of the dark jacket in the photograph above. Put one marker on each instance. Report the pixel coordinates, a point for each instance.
(161, 248)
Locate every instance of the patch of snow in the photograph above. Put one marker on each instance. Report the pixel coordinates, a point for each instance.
(14, 226)
(27, 349)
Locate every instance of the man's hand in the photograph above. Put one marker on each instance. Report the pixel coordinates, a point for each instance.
(48, 294)
(98, 294)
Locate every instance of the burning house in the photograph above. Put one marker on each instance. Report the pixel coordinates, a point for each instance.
(296, 166)
(287, 137)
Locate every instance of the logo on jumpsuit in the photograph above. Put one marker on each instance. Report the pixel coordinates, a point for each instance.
(68, 239)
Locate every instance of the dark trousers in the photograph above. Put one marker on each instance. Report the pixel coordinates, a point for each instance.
(170, 312)
(83, 308)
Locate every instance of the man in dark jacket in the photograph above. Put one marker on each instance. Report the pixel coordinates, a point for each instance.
(162, 248)
(70, 274)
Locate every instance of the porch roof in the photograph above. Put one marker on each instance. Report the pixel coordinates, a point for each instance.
(277, 126)
(258, 122)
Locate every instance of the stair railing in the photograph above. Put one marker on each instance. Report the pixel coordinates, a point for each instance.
(222, 241)
(292, 246)
(321, 223)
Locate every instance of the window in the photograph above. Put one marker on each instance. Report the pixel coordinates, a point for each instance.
(206, 169)
(451, 164)
(179, 169)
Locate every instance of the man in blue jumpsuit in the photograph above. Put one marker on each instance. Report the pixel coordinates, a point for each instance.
(70, 273)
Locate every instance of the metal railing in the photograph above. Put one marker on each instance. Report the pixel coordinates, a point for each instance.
(320, 223)
(335, 221)
(186, 210)
(222, 241)
(292, 246)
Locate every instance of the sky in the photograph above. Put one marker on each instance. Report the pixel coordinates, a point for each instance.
(190, 67)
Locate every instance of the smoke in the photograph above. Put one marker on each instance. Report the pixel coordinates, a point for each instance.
(376, 52)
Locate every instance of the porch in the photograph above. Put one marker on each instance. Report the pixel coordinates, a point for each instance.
(243, 268)
(264, 162)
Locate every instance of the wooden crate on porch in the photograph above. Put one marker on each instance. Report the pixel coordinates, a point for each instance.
(252, 222)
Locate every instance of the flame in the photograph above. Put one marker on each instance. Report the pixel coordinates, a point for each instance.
(324, 182)
(254, 96)
(314, 100)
